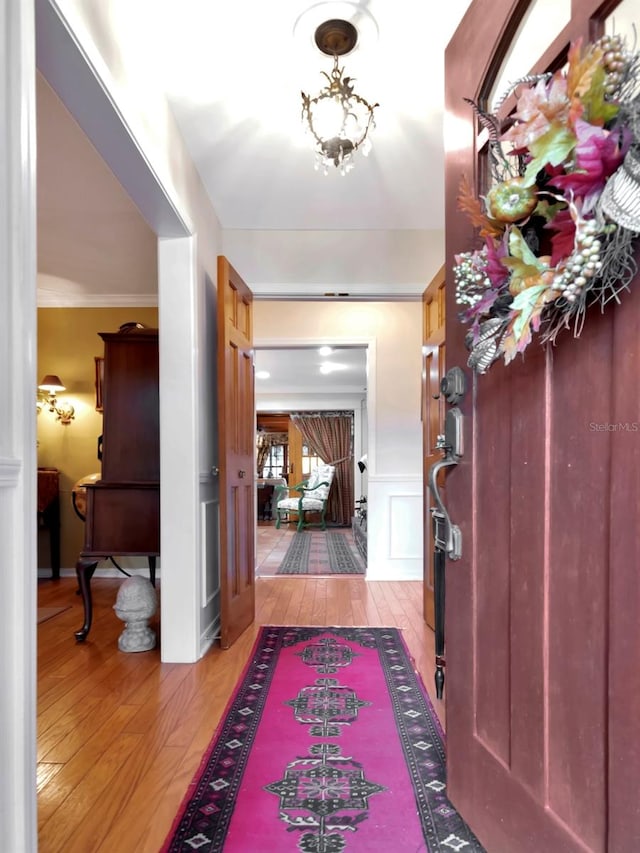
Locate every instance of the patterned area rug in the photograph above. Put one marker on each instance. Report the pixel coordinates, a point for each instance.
(322, 552)
(329, 744)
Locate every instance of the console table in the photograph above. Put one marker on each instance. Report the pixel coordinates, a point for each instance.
(266, 487)
(123, 507)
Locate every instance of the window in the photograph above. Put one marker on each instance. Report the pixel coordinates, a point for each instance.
(275, 462)
(309, 461)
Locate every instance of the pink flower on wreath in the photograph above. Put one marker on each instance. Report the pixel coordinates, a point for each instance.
(563, 239)
(539, 108)
(598, 154)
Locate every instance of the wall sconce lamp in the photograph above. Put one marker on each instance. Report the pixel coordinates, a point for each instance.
(49, 388)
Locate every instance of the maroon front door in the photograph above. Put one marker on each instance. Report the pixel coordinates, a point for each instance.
(543, 610)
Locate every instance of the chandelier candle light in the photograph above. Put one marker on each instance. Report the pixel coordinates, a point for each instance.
(337, 118)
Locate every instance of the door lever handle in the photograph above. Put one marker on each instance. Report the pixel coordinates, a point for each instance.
(450, 539)
(447, 537)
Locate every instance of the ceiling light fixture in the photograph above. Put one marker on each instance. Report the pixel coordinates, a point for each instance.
(330, 367)
(337, 118)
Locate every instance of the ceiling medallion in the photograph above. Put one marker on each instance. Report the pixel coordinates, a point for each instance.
(337, 119)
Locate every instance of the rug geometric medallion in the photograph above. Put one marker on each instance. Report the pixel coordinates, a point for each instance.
(322, 552)
(329, 744)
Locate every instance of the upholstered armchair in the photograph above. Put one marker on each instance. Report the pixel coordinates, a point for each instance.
(313, 495)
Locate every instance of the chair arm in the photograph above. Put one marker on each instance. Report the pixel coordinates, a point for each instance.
(317, 486)
(282, 491)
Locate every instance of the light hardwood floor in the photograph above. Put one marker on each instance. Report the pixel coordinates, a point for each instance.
(120, 736)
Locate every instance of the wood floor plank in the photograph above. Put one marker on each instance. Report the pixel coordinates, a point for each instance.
(384, 609)
(167, 805)
(137, 816)
(58, 832)
(72, 776)
(292, 613)
(319, 613)
(59, 741)
(45, 773)
(305, 612)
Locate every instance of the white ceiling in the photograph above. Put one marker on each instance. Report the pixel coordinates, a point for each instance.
(297, 371)
(232, 72)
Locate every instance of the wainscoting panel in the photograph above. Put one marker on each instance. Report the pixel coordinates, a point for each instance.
(405, 514)
(209, 561)
(210, 566)
(395, 531)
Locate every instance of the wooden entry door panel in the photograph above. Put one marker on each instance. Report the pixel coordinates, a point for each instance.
(237, 453)
(543, 636)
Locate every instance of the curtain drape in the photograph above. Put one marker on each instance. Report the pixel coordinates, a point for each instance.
(330, 436)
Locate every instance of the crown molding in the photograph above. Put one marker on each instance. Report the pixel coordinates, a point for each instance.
(46, 299)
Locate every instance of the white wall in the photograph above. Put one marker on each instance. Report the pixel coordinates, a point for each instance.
(87, 55)
(393, 331)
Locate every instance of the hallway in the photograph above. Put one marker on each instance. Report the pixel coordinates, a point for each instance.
(272, 545)
(120, 736)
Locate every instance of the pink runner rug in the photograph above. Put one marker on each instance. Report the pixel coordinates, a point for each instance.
(329, 744)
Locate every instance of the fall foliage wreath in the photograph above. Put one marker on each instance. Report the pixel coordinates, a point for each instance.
(560, 220)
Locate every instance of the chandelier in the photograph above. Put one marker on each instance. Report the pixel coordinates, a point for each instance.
(337, 119)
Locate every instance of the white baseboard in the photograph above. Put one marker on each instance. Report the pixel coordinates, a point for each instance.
(106, 572)
(391, 573)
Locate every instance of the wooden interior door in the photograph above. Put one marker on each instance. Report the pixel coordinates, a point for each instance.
(295, 455)
(294, 475)
(433, 369)
(543, 635)
(237, 453)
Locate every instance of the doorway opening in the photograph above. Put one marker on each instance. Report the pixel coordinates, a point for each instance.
(306, 379)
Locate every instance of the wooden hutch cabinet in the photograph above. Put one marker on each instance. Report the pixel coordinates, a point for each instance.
(123, 508)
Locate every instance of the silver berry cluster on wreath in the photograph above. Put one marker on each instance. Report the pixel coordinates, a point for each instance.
(583, 264)
(470, 277)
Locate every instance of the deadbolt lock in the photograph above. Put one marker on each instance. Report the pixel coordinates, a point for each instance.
(453, 385)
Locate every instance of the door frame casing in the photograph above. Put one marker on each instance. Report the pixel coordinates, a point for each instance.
(18, 462)
(368, 343)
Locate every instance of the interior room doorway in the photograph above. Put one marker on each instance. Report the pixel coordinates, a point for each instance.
(304, 379)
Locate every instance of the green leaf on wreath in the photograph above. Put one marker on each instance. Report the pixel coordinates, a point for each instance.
(552, 148)
(525, 267)
(526, 303)
(598, 110)
(547, 210)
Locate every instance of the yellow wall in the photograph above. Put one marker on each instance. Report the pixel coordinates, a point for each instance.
(67, 344)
